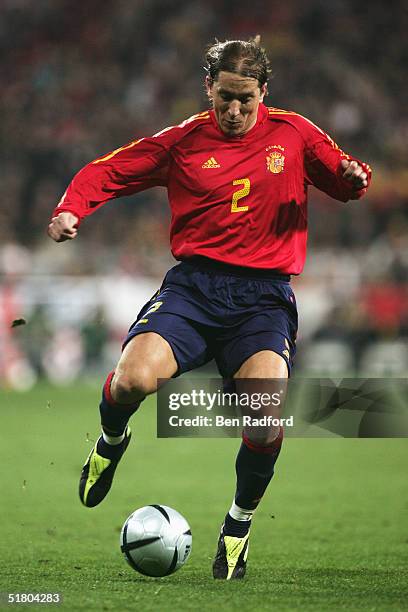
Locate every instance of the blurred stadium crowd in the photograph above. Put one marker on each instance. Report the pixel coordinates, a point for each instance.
(80, 79)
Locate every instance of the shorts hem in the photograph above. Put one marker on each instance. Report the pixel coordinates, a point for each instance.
(289, 365)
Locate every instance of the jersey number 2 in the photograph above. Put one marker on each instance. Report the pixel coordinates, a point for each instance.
(240, 193)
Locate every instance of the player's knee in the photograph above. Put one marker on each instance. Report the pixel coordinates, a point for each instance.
(130, 387)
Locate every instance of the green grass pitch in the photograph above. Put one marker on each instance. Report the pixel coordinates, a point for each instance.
(331, 533)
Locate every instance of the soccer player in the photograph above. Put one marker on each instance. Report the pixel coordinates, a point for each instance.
(237, 178)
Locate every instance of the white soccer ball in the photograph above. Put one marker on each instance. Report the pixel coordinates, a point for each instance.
(156, 540)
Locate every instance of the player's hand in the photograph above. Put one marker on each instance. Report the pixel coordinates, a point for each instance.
(355, 173)
(63, 227)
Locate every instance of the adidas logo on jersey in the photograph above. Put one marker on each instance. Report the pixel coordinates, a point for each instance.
(211, 163)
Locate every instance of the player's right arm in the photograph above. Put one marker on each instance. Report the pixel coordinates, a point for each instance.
(63, 227)
(134, 167)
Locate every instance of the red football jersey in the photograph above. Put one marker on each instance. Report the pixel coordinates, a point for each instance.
(241, 200)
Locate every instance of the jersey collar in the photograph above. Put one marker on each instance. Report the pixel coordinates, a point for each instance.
(261, 119)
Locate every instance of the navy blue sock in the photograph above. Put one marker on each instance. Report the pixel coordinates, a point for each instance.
(109, 451)
(235, 528)
(114, 416)
(254, 468)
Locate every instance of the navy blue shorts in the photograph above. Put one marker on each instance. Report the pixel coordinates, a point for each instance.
(221, 312)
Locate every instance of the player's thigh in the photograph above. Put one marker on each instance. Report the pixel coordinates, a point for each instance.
(263, 378)
(264, 374)
(146, 358)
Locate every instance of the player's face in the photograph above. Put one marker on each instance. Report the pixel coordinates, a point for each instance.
(235, 101)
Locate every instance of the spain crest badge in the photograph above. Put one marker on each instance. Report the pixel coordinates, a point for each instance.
(275, 161)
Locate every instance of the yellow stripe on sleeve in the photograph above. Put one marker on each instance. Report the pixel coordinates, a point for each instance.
(203, 115)
(116, 151)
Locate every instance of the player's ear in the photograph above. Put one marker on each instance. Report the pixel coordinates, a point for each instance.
(264, 91)
(208, 86)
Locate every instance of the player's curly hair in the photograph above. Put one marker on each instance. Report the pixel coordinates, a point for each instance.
(246, 58)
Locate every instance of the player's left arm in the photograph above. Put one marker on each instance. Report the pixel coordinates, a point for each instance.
(358, 175)
(330, 169)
